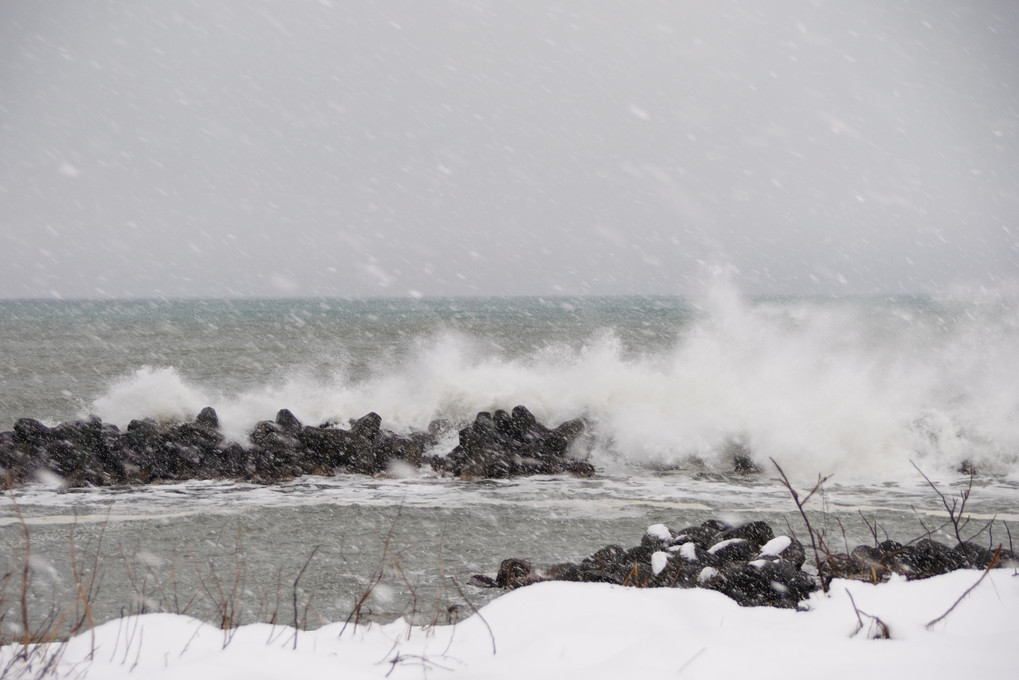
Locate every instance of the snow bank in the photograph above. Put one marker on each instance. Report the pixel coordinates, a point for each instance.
(560, 630)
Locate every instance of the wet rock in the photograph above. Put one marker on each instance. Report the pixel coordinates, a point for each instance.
(757, 533)
(733, 550)
(974, 555)
(207, 418)
(784, 548)
(930, 558)
(605, 557)
(702, 536)
(765, 583)
(657, 536)
(500, 444)
(692, 553)
(367, 427)
(514, 573)
(869, 562)
(31, 432)
(840, 565)
(496, 445)
(482, 581)
(288, 422)
(716, 525)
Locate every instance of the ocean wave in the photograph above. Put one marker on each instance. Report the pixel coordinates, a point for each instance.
(857, 388)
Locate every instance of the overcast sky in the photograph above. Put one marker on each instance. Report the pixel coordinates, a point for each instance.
(213, 148)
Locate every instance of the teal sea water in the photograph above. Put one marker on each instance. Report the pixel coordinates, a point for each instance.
(670, 387)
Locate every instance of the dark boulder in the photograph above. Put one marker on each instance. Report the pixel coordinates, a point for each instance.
(207, 418)
(733, 550)
(657, 536)
(514, 573)
(757, 533)
(288, 422)
(784, 548)
(31, 432)
(703, 536)
(974, 555)
(765, 583)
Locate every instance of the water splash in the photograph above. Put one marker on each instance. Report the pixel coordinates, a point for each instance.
(858, 388)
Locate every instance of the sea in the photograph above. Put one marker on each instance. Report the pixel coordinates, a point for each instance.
(891, 400)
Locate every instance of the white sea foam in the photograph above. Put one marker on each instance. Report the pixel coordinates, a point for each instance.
(857, 389)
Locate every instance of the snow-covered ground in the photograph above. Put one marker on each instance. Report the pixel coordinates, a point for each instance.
(592, 631)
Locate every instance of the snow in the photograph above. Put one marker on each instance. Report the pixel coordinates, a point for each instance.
(706, 574)
(722, 544)
(658, 562)
(660, 532)
(595, 631)
(688, 551)
(775, 546)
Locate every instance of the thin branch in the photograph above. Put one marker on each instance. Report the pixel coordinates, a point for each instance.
(799, 506)
(882, 626)
(955, 510)
(475, 610)
(994, 562)
(296, 581)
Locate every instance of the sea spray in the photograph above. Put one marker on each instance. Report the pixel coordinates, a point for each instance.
(857, 387)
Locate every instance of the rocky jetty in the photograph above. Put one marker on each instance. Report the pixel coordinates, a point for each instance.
(93, 453)
(749, 563)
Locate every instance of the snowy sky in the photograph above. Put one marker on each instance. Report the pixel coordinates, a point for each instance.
(291, 147)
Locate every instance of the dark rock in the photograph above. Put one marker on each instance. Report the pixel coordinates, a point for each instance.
(514, 573)
(207, 418)
(792, 553)
(889, 546)
(605, 559)
(641, 553)
(333, 447)
(757, 533)
(930, 558)
(482, 581)
(524, 423)
(703, 536)
(840, 565)
(565, 571)
(716, 525)
(32, 432)
(733, 550)
(745, 465)
(367, 426)
(600, 576)
(692, 553)
(570, 430)
(974, 555)
(288, 422)
(869, 560)
(657, 536)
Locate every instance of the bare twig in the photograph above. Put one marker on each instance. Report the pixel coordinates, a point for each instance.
(475, 610)
(884, 633)
(377, 577)
(994, 562)
(872, 528)
(814, 536)
(956, 509)
(298, 580)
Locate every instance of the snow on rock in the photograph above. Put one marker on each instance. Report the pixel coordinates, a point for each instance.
(658, 562)
(706, 574)
(776, 546)
(721, 545)
(688, 551)
(659, 532)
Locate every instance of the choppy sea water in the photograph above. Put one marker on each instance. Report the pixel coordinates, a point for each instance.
(860, 389)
